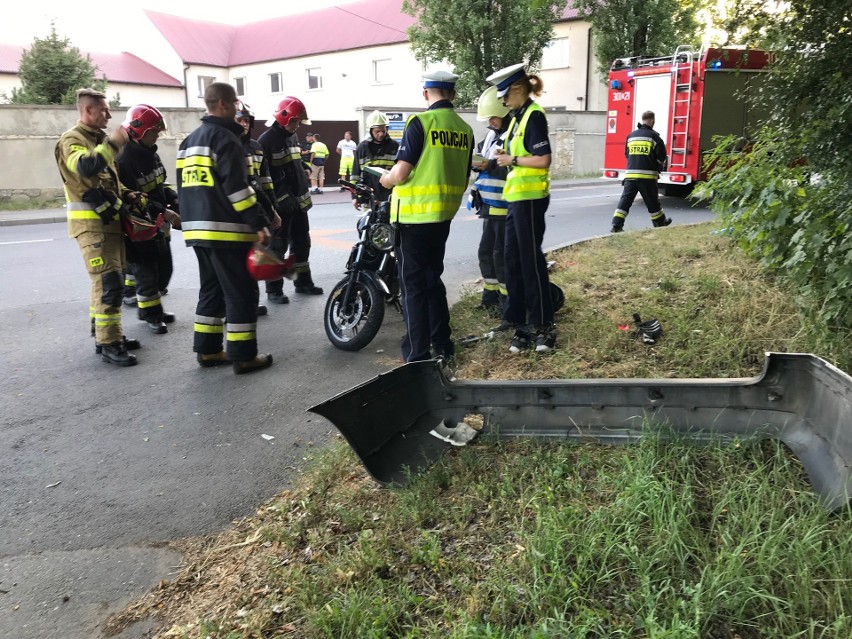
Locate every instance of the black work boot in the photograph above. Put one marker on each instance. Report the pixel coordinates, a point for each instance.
(129, 343)
(617, 225)
(116, 353)
(278, 298)
(157, 326)
(308, 289)
(661, 221)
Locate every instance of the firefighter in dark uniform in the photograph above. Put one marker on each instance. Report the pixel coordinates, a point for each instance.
(220, 219)
(526, 153)
(378, 150)
(292, 195)
(428, 180)
(140, 169)
(85, 157)
(489, 202)
(646, 157)
(258, 173)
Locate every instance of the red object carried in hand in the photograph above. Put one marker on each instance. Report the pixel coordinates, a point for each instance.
(264, 264)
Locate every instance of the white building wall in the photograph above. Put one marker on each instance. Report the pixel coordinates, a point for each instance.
(348, 82)
(159, 97)
(565, 81)
(130, 94)
(8, 82)
(195, 95)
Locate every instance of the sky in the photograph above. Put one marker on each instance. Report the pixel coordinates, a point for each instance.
(20, 22)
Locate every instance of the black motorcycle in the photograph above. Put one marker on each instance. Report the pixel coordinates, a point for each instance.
(356, 305)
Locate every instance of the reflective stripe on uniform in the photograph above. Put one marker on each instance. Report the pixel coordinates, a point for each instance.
(107, 319)
(242, 332)
(243, 199)
(205, 324)
(147, 302)
(222, 231)
(639, 174)
(220, 236)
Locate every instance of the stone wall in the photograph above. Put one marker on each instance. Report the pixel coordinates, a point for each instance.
(28, 136)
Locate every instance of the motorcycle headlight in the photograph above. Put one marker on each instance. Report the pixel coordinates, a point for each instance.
(382, 236)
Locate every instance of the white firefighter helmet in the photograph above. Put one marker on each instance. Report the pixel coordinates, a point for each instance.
(490, 106)
(376, 118)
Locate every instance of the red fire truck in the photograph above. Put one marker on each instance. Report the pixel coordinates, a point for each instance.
(694, 95)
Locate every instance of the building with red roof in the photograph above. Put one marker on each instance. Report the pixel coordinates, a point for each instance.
(128, 76)
(337, 59)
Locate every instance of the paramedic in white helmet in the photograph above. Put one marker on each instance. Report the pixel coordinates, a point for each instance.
(377, 149)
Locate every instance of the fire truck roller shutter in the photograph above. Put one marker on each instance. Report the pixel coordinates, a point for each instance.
(654, 93)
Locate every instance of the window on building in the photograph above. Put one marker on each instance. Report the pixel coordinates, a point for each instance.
(314, 78)
(275, 82)
(382, 72)
(555, 54)
(240, 86)
(204, 81)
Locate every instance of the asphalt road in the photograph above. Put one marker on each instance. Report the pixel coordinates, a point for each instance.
(103, 465)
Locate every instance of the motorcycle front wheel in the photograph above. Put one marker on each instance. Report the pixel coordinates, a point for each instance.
(352, 327)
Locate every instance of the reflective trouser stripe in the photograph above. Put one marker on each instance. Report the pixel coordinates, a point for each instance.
(107, 319)
(241, 337)
(207, 328)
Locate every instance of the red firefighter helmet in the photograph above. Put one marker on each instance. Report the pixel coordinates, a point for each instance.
(140, 119)
(138, 229)
(264, 264)
(290, 109)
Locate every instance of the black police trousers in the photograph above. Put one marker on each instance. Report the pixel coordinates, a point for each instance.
(420, 260)
(525, 267)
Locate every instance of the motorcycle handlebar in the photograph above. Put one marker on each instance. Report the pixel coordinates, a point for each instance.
(357, 187)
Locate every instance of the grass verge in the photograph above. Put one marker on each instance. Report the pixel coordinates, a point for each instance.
(33, 204)
(530, 539)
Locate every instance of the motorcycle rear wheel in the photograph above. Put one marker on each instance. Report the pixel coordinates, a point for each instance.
(352, 328)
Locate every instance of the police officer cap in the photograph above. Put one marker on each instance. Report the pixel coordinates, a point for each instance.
(440, 80)
(504, 78)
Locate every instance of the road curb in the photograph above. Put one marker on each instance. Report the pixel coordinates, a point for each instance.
(20, 218)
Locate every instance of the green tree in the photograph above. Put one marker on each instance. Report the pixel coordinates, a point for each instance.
(788, 202)
(52, 70)
(477, 37)
(626, 28)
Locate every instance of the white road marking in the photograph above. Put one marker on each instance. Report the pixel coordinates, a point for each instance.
(26, 241)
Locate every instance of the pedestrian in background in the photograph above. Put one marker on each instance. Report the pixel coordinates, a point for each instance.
(346, 150)
(526, 153)
(319, 153)
(429, 180)
(646, 157)
(378, 150)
